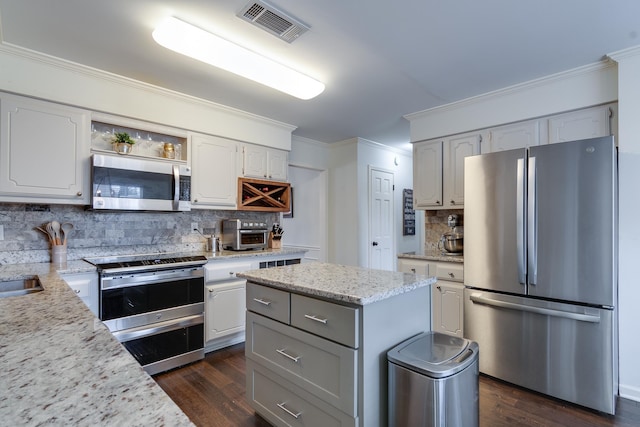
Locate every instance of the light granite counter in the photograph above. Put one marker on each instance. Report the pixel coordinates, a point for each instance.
(355, 285)
(434, 255)
(59, 365)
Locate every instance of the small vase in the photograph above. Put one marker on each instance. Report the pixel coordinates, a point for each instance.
(122, 148)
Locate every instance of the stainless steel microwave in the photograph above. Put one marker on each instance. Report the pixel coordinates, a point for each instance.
(134, 184)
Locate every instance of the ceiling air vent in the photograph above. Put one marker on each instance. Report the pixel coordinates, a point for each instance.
(263, 15)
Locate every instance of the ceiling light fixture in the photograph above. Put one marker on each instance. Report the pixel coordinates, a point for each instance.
(196, 43)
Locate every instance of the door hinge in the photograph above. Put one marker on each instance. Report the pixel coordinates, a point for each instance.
(393, 187)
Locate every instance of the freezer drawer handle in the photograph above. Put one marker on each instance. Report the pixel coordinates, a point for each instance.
(284, 408)
(317, 319)
(537, 310)
(261, 301)
(288, 356)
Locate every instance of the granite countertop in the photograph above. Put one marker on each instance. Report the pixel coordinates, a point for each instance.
(432, 255)
(355, 285)
(225, 254)
(61, 365)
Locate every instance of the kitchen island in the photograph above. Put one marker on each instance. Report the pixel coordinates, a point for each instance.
(61, 366)
(317, 337)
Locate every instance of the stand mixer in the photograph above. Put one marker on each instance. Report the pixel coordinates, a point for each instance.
(451, 243)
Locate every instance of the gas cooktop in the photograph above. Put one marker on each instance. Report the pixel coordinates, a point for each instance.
(140, 262)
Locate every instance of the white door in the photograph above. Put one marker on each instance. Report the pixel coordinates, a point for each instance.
(381, 225)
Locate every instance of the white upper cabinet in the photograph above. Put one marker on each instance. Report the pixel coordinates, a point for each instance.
(438, 171)
(214, 179)
(509, 137)
(582, 124)
(264, 163)
(427, 174)
(44, 152)
(457, 148)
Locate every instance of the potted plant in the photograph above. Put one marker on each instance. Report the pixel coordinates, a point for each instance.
(122, 142)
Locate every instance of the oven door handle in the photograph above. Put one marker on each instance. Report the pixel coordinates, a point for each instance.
(158, 328)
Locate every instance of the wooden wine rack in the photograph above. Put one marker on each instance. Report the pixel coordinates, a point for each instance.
(265, 196)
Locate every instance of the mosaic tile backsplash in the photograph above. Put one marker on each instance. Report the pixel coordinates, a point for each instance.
(107, 233)
(435, 225)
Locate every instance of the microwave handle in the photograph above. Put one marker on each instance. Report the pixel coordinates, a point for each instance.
(176, 187)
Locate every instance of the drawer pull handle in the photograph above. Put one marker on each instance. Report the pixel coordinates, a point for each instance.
(452, 275)
(317, 319)
(288, 356)
(284, 408)
(261, 301)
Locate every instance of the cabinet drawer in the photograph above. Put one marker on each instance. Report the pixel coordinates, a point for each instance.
(450, 271)
(282, 403)
(269, 302)
(325, 369)
(332, 321)
(214, 271)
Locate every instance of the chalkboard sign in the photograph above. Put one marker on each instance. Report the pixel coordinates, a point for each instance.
(408, 214)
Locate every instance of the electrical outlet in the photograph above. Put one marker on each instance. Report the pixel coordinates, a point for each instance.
(1, 232)
(194, 226)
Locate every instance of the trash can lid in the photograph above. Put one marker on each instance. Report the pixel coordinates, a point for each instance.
(434, 354)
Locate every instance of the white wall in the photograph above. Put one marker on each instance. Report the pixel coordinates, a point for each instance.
(31, 74)
(382, 157)
(587, 86)
(629, 223)
(343, 204)
(308, 175)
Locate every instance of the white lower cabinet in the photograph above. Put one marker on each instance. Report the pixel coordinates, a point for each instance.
(85, 285)
(447, 302)
(224, 309)
(447, 299)
(225, 297)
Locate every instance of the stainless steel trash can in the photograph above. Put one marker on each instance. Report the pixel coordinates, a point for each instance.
(433, 382)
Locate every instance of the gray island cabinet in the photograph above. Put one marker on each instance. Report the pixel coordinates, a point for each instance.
(317, 338)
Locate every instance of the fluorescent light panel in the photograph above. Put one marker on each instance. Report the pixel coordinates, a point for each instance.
(196, 43)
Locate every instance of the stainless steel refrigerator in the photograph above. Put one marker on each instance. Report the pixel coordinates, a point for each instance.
(540, 268)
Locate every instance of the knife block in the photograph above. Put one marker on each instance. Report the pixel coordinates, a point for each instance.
(274, 243)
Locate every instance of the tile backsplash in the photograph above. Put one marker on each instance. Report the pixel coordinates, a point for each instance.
(436, 225)
(107, 233)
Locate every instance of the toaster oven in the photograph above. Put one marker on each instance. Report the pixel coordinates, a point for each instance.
(244, 234)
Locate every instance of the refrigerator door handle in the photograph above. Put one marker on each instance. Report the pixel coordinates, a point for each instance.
(520, 225)
(532, 223)
(479, 299)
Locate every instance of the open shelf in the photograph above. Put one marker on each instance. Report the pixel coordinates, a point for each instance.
(265, 196)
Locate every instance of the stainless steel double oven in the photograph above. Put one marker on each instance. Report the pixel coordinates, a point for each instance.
(155, 307)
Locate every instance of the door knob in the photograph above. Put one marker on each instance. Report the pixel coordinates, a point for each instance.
(375, 243)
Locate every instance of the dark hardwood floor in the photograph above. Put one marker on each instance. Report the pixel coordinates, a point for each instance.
(212, 393)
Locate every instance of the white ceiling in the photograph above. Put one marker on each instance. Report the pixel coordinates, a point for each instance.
(379, 59)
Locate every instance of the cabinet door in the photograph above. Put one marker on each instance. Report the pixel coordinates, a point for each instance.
(453, 174)
(278, 165)
(214, 179)
(447, 308)
(588, 123)
(427, 174)
(225, 308)
(254, 163)
(510, 137)
(44, 151)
